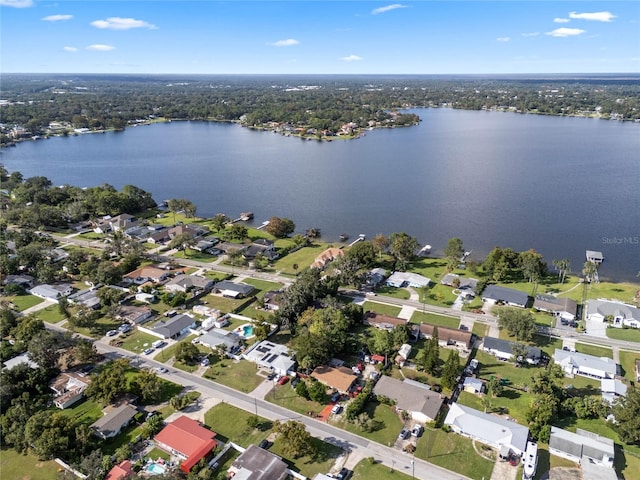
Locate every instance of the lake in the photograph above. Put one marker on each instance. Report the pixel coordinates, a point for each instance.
(559, 185)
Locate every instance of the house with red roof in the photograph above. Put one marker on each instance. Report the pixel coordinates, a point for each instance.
(186, 439)
(122, 471)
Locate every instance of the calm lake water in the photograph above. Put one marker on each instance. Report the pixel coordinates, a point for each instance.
(559, 185)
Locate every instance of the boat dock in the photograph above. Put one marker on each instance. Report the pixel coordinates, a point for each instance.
(361, 238)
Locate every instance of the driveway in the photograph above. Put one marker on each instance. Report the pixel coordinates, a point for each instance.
(503, 471)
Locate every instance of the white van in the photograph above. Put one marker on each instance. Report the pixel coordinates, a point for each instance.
(158, 344)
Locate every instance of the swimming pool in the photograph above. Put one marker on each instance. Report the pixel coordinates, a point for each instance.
(247, 331)
(155, 469)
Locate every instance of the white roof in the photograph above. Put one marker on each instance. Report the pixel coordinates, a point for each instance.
(577, 359)
(488, 428)
(413, 279)
(610, 307)
(17, 360)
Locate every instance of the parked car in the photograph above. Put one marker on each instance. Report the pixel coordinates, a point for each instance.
(204, 362)
(265, 444)
(404, 434)
(149, 351)
(124, 328)
(112, 333)
(344, 474)
(271, 376)
(337, 408)
(284, 379)
(417, 430)
(295, 382)
(162, 370)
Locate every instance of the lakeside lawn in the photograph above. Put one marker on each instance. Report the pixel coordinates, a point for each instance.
(435, 319)
(627, 334)
(303, 258)
(453, 452)
(240, 375)
(25, 466)
(381, 308)
(594, 350)
(22, 302)
(628, 364)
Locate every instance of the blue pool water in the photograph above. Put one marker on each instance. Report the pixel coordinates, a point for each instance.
(247, 331)
(155, 469)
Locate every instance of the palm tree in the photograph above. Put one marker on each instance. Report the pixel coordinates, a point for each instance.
(589, 270)
(562, 267)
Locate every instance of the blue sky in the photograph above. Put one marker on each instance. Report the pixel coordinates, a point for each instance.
(319, 37)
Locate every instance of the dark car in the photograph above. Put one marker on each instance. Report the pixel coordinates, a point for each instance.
(265, 444)
(404, 434)
(344, 474)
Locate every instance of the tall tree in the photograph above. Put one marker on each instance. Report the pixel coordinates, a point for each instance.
(453, 252)
(450, 370)
(518, 322)
(296, 441)
(403, 248)
(381, 244)
(627, 413)
(531, 265)
(562, 267)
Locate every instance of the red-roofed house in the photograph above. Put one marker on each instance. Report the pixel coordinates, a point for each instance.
(122, 471)
(187, 439)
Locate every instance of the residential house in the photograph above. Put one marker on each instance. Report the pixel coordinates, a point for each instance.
(133, 315)
(55, 255)
(585, 448)
(403, 354)
(24, 281)
(407, 279)
(194, 230)
(204, 245)
(145, 297)
(147, 274)
(272, 299)
(218, 337)
(52, 292)
(233, 290)
(263, 246)
(621, 314)
(112, 423)
(186, 439)
(562, 307)
(68, 388)
(122, 471)
(326, 257)
(415, 398)
(509, 296)
(376, 276)
(338, 378)
(473, 385)
(503, 350)
(256, 463)
(185, 283)
(383, 322)
(465, 284)
(21, 359)
(88, 298)
(487, 428)
(175, 327)
(574, 363)
(122, 222)
(272, 356)
(206, 311)
(229, 247)
(159, 236)
(447, 337)
(637, 370)
(612, 389)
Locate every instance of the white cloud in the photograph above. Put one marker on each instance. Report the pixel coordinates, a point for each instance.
(351, 58)
(388, 8)
(16, 3)
(561, 20)
(100, 47)
(70, 49)
(594, 16)
(531, 34)
(118, 23)
(565, 32)
(285, 43)
(503, 39)
(57, 18)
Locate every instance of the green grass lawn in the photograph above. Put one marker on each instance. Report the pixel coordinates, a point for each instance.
(239, 375)
(14, 465)
(321, 462)
(594, 350)
(365, 470)
(453, 452)
(167, 353)
(381, 308)
(302, 258)
(435, 319)
(50, 314)
(401, 293)
(100, 328)
(137, 342)
(195, 255)
(480, 329)
(22, 302)
(286, 397)
(628, 334)
(262, 285)
(391, 423)
(225, 305)
(85, 411)
(628, 364)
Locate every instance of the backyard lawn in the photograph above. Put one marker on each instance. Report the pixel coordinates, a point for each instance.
(240, 375)
(50, 314)
(302, 258)
(628, 364)
(22, 302)
(453, 452)
(594, 350)
(26, 466)
(381, 308)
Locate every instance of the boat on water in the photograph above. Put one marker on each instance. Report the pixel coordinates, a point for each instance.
(530, 461)
(424, 251)
(246, 216)
(344, 237)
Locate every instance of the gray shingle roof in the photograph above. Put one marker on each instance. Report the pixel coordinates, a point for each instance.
(410, 396)
(508, 295)
(492, 343)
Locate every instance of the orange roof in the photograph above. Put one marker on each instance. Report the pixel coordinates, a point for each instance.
(121, 471)
(340, 378)
(327, 256)
(188, 437)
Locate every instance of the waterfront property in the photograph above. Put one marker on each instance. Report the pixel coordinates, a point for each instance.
(326, 257)
(407, 279)
(415, 398)
(186, 439)
(509, 296)
(574, 363)
(487, 428)
(620, 314)
(503, 350)
(465, 284)
(593, 452)
(562, 307)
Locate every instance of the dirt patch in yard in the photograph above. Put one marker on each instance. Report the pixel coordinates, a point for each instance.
(564, 473)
